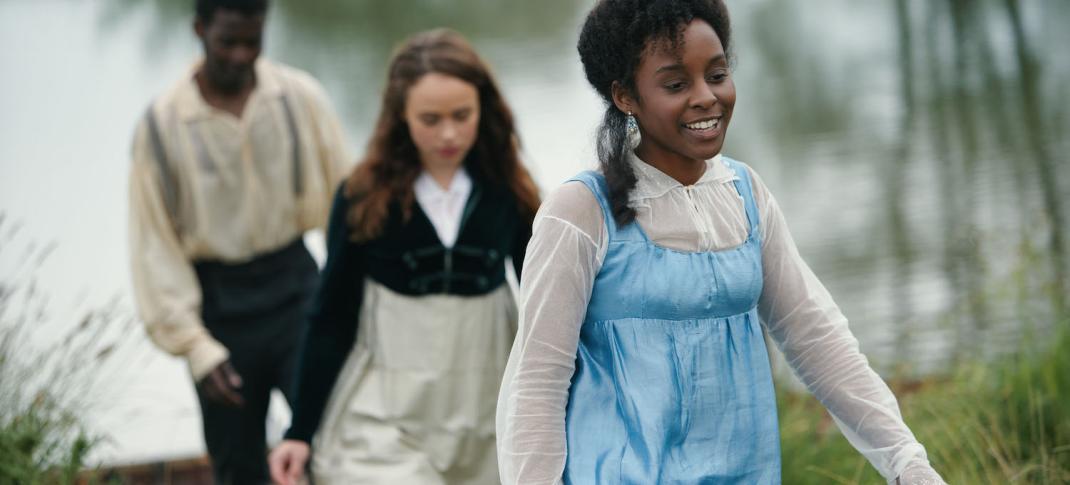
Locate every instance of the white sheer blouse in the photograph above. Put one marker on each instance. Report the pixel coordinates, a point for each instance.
(566, 253)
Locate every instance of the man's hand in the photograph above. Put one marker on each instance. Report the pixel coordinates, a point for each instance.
(287, 461)
(223, 385)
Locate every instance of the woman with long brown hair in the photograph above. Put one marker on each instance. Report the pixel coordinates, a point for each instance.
(413, 321)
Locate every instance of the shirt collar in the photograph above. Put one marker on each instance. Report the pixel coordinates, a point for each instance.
(426, 186)
(652, 183)
(192, 106)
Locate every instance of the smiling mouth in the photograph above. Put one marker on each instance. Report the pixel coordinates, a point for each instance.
(704, 125)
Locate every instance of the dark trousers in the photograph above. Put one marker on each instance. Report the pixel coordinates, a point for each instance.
(257, 311)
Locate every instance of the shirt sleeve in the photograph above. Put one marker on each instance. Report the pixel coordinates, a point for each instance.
(332, 325)
(334, 155)
(813, 334)
(166, 291)
(562, 259)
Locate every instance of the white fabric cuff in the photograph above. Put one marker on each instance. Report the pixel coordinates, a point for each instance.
(204, 356)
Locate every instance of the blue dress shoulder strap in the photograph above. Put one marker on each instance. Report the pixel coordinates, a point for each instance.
(596, 183)
(745, 187)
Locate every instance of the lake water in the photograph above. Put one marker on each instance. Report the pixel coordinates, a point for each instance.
(917, 148)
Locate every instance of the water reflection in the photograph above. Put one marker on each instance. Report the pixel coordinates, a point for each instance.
(373, 23)
(957, 217)
(1037, 133)
(348, 43)
(808, 98)
(895, 176)
(993, 164)
(917, 146)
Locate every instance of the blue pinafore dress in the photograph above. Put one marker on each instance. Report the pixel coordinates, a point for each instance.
(672, 382)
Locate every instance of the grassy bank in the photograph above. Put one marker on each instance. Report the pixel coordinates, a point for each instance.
(52, 370)
(42, 437)
(1004, 422)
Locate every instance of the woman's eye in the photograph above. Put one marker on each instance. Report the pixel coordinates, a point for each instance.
(674, 86)
(717, 77)
(462, 116)
(429, 120)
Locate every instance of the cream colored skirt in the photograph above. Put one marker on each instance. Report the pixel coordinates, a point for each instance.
(415, 401)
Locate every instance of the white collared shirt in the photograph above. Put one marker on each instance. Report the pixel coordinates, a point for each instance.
(236, 196)
(444, 207)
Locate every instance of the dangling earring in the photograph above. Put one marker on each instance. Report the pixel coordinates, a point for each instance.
(631, 126)
(631, 130)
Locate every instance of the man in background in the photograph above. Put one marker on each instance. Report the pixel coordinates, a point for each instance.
(231, 166)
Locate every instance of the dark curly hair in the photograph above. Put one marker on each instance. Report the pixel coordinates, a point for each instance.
(612, 42)
(205, 9)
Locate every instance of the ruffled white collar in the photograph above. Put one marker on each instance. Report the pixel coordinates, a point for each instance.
(653, 183)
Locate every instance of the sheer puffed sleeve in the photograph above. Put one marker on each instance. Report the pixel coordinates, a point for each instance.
(561, 262)
(810, 330)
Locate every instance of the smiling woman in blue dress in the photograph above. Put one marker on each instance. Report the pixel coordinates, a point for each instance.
(410, 329)
(640, 356)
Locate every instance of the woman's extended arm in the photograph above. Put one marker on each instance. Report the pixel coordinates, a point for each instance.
(810, 330)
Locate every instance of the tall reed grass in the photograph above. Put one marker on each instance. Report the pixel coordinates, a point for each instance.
(52, 372)
(1005, 422)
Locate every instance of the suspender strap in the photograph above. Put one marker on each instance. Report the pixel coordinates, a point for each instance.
(296, 143)
(168, 181)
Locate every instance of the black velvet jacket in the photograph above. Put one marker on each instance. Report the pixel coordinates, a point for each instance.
(407, 258)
